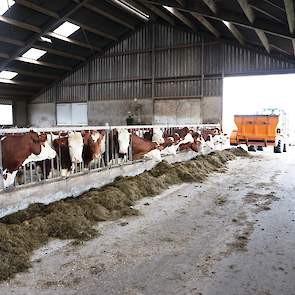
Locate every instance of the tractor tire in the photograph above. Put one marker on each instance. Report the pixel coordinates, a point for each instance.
(285, 148)
(260, 148)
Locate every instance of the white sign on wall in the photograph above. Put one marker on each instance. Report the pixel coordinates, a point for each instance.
(71, 114)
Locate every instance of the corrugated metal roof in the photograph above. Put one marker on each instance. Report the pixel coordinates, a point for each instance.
(261, 24)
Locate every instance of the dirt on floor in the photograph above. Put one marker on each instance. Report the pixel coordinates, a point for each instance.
(74, 218)
(229, 233)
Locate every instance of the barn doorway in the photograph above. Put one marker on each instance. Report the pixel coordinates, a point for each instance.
(251, 94)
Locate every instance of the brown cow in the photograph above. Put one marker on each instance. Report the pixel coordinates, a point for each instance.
(141, 146)
(20, 149)
(92, 148)
(207, 134)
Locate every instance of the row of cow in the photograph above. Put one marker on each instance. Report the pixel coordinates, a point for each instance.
(63, 151)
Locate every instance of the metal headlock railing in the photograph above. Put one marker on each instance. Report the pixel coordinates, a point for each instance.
(34, 173)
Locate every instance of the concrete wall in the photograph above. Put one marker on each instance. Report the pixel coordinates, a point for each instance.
(212, 109)
(177, 111)
(20, 116)
(115, 112)
(41, 115)
(174, 111)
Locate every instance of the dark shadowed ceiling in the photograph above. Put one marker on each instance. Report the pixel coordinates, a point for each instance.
(268, 24)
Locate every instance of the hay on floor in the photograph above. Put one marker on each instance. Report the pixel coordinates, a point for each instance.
(74, 218)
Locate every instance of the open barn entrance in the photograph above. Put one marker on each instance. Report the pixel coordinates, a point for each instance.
(250, 95)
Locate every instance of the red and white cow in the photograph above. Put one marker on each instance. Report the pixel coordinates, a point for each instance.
(141, 147)
(20, 149)
(94, 146)
(69, 148)
(213, 139)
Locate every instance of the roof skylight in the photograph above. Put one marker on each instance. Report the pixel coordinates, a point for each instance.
(34, 53)
(5, 5)
(66, 29)
(7, 75)
(132, 9)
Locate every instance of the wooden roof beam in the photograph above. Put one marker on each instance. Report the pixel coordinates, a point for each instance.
(263, 39)
(269, 2)
(37, 62)
(11, 41)
(224, 14)
(206, 24)
(73, 41)
(232, 28)
(181, 2)
(19, 24)
(212, 5)
(20, 83)
(289, 7)
(4, 55)
(43, 63)
(60, 53)
(181, 17)
(157, 11)
(259, 9)
(236, 33)
(140, 7)
(12, 92)
(50, 13)
(251, 17)
(93, 30)
(109, 16)
(37, 8)
(32, 74)
(69, 10)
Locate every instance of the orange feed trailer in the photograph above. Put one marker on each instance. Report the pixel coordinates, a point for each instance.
(256, 130)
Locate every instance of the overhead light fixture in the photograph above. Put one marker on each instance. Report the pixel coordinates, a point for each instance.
(66, 29)
(34, 53)
(5, 5)
(132, 9)
(7, 75)
(45, 39)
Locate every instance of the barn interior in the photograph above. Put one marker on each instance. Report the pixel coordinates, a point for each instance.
(73, 65)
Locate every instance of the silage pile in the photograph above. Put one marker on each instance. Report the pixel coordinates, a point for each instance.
(74, 218)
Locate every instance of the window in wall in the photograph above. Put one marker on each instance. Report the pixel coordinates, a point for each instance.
(71, 114)
(6, 117)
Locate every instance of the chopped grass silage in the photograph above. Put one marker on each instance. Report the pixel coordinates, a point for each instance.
(74, 218)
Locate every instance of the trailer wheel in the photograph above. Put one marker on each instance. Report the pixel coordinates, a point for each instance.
(278, 148)
(260, 148)
(285, 148)
(251, 148)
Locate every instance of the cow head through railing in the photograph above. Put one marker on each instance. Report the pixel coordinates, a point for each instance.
(54, 153)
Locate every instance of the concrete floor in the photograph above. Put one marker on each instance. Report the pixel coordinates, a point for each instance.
(232, 234)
